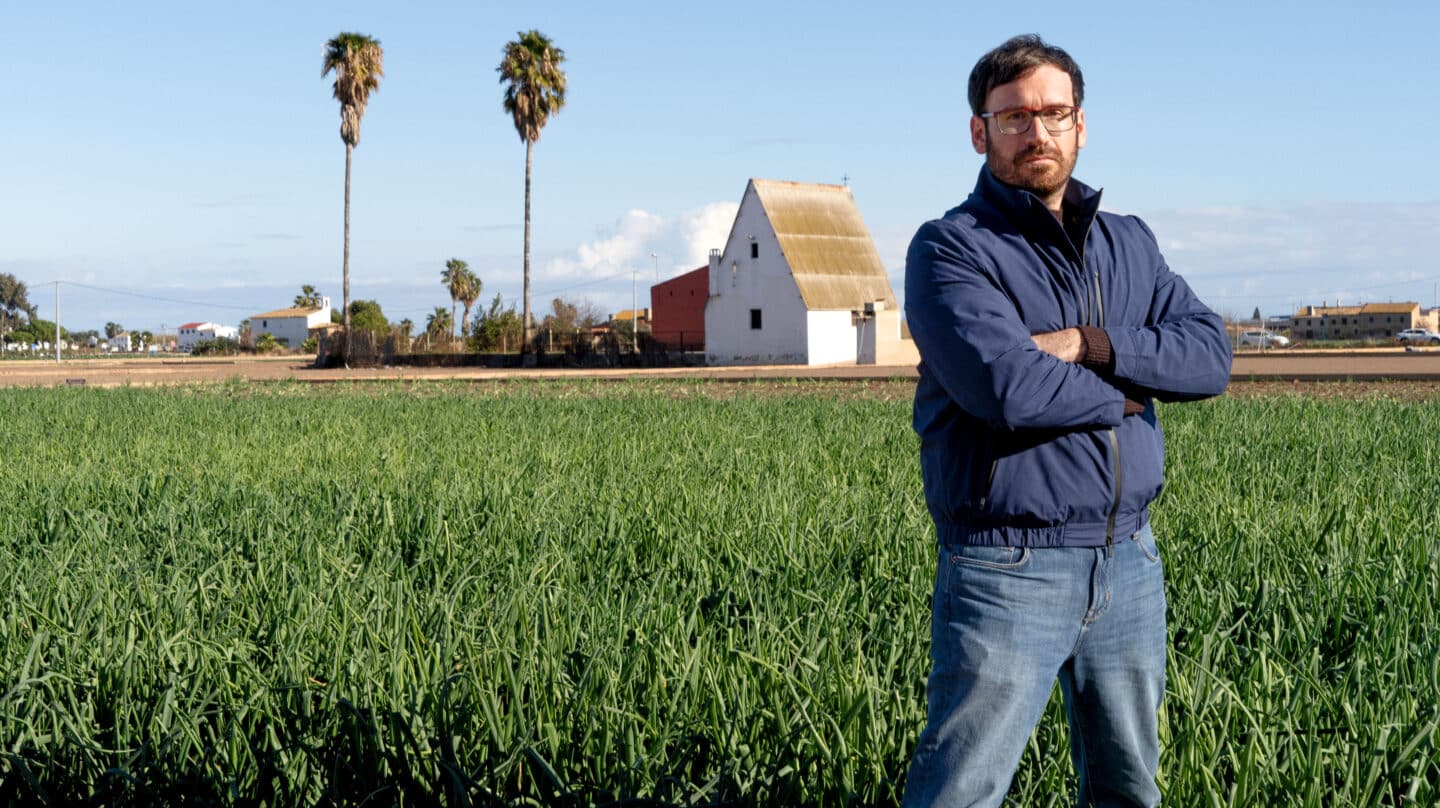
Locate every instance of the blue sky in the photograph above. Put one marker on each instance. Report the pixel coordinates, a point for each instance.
(191, 151)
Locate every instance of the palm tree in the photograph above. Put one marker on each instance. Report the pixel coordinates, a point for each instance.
(535, 90)
(452, 277)
(358, 64)
(469, 293)
(439, 322)
(308, 298)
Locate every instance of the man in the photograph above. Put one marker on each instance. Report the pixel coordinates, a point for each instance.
(1047, 330)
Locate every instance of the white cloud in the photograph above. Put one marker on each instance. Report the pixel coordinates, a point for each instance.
(679, 243)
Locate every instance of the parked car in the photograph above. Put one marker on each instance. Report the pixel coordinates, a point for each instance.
(1418, 336)
(1264, 339)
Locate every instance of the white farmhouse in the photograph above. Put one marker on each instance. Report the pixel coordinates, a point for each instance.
(121, 343)
(291, 326)
(191, 334)
(800, 282)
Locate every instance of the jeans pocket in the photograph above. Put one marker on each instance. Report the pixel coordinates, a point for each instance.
(995, 558)
(1145, 540)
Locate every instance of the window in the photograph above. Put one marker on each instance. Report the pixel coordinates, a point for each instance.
(754, 249)
(754, 319)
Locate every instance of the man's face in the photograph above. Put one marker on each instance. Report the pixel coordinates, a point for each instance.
(1034, 160)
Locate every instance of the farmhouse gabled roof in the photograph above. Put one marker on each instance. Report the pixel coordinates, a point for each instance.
(1364, 308)
(1389, 308)
(293, 311)
(826, 244)
(191, 325)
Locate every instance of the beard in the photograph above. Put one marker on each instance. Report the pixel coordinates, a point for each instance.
(1042, 179)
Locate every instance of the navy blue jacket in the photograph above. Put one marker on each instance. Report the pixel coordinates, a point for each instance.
(1017, 446)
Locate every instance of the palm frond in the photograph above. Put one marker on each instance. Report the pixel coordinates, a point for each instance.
(358, 63)
(535, 83)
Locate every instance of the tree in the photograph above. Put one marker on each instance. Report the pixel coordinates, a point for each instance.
(497, 328)
(113, 330)
(453, 279)
(469, 293)
(568, 316)
(535, 90)
(14, 300)
(403, 333)
(308, 298)
(366, 315)
(439, 323)
(358, 63)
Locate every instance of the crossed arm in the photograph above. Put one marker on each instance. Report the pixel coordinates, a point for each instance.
(975, 343)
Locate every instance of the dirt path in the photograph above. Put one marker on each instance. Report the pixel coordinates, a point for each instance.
(1412, 374)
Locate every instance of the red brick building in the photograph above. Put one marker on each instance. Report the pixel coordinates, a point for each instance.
(677, 309)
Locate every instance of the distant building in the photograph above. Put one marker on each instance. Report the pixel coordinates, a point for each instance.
(121, 343)
(627, 315)
(1367, 321)
(800, 282)
(190, 334)
(679, 308)
(291, 326)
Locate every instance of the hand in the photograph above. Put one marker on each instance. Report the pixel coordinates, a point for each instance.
(1067, 345)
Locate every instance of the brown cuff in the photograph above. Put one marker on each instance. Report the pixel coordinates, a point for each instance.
(1096, 351)
(1133, 407)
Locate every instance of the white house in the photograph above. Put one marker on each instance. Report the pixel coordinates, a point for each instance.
(800, 282)
(190, 334)
(291, 326)
(121, 343)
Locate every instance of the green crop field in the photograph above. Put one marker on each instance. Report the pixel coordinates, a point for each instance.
(677, 593)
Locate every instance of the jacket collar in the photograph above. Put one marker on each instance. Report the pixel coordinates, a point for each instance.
(1028, 211)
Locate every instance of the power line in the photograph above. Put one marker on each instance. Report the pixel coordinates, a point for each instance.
(151, 297)
(568, 288)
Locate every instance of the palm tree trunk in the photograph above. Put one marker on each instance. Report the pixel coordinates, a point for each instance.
(525, 324)
(345, 312)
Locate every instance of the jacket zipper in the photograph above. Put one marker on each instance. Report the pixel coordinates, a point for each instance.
(989, 481)
(1099, 311)
(1115, 507)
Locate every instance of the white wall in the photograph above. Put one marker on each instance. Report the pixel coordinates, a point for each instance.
(293, 330)
(186, 339)
(739, 283)
(831, 337)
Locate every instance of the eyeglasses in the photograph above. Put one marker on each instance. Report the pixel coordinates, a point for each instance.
(1017, 121)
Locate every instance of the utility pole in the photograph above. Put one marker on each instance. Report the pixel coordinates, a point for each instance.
(634, 315)
(57, 322)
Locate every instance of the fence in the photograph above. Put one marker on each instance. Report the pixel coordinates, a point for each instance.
(554, 349)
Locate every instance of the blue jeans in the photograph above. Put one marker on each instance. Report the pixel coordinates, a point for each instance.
(1006, 621)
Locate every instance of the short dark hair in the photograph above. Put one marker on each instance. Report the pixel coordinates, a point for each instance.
(1012, 60)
